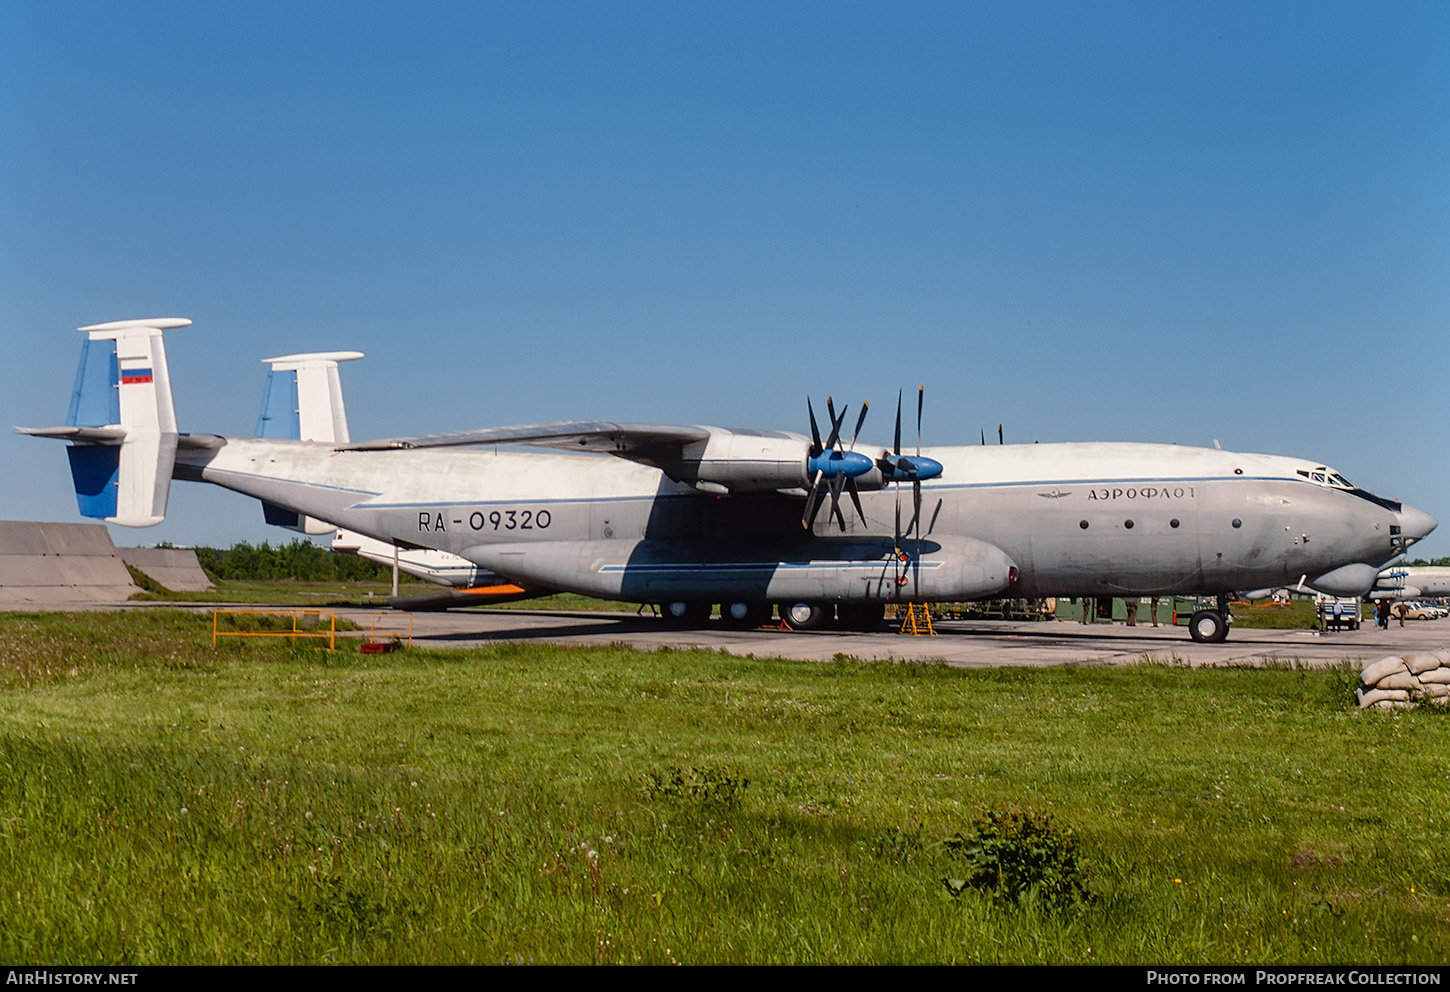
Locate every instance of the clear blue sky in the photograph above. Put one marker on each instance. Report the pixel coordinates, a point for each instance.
(1087, 221)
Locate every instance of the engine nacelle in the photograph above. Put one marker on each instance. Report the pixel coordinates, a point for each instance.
(744, 463)
(760, 462)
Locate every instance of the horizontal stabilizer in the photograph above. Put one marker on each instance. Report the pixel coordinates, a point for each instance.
(90, 435)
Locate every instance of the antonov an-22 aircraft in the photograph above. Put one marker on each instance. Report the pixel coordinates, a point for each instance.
(688, 517)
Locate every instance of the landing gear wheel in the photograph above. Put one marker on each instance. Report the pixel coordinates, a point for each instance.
(681, 614)
(806, 616)
(861, 616)
(1208, 627)
(744, 616)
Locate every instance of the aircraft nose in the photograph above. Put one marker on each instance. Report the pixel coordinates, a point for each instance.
(1416, 524)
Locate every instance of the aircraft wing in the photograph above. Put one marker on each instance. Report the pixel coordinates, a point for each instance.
(713, 459)
(637, 441)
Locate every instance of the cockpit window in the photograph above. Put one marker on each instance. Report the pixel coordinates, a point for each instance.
(1327, 477)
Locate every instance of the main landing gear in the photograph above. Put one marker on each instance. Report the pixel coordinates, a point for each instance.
(796, 615)
(848, 616)
(680, 614)
(744, 616)
(1211, 626)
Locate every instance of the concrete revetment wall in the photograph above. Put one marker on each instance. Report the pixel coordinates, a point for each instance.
(175, 568)
(61, 563)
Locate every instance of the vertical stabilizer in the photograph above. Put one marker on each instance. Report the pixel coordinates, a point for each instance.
(303, 402)
(123, 385)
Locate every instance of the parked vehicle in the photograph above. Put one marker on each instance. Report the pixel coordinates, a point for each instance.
(1347, 615)
(1416, 610)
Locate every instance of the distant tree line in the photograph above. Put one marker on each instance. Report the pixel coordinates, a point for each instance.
(1442, 562)
(300, 560)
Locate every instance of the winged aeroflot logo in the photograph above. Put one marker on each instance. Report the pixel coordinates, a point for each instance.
(1055, 494)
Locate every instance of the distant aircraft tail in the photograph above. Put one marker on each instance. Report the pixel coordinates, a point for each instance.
(303, 402)
(121, 424)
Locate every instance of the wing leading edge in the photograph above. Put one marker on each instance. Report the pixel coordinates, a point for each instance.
(636, 441)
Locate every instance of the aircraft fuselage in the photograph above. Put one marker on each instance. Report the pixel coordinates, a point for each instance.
(1082, 519)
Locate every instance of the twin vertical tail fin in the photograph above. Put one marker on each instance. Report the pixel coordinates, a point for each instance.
(122, 424)
(303, 402)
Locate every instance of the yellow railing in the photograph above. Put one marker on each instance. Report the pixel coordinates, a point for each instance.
(385, 630)
(299, 620)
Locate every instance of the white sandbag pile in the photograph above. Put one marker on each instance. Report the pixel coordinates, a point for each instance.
(1401, 683)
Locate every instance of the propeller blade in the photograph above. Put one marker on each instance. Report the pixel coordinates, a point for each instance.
(999, 433)
(816, 448)
(835, 423)
(813, 503)
(920, 398)
(856, 500)
(859, 421)
(915, 524)
(837, 483)
(896, 446)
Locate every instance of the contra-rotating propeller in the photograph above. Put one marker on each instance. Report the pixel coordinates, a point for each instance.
(833, 468)
(898, 468)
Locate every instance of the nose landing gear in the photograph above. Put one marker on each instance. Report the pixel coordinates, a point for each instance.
(1211, 626)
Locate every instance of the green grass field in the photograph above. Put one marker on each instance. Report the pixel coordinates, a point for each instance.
(162, 801)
